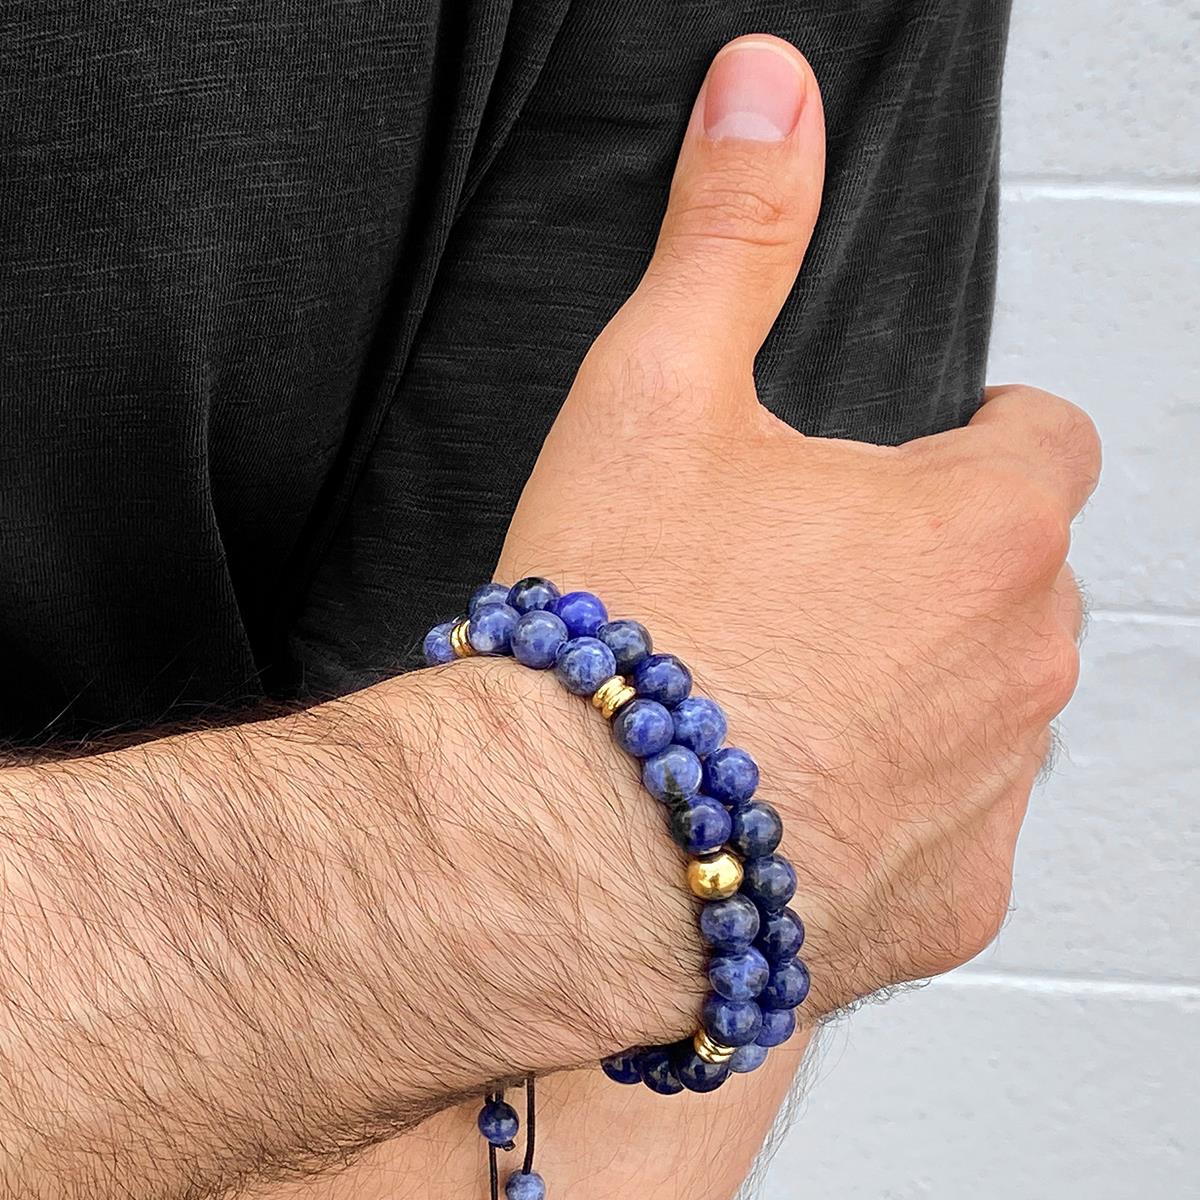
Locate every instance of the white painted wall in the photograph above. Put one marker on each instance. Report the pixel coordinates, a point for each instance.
(1065, 1062)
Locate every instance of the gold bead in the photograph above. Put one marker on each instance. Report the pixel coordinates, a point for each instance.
(710, 1051)
(460, 640)
(611, 695)
(715, 877)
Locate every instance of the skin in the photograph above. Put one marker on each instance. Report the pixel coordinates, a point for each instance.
(237, 959)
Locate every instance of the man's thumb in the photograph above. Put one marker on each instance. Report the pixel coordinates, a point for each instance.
(744, 199)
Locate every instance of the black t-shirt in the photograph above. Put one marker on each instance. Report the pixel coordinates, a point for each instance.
(291, 293)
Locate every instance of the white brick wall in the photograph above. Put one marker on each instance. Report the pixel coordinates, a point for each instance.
(1065, 1062)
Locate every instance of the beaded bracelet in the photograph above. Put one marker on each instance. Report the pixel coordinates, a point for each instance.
(756, 976)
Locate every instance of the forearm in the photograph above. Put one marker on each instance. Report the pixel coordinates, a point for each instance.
(246, 951)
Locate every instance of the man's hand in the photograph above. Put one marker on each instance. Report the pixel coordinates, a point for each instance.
(890, 630)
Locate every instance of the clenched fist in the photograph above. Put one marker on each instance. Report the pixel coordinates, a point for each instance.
(891, 630)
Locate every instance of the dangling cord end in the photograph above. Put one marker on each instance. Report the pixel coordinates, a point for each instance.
(493, 1171)
(530, 1123)
(530, 1136)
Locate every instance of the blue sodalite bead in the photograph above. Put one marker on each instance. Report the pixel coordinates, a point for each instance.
(664, 678)
(778, 1025)
(769, 881)
(522, 1186)
(729, 925)
(488, 593)
(583, 664)
(781, 936)
(643, 728)
(730, 775)
(757, 830)
(582, 613)
(699, 725)
(437, 644)
(491, 628)
(787, 987)
(738, 976)
(732, 1022)
(700, 825)
(748, 1058)
(536, 639)
(622, 1068)
(695, 1073)
(532, 594)
(658, 1072)
(628, 640)
(672, 775)
(498, 1122)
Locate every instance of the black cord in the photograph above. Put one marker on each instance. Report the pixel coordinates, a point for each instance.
(530, 1123)
(493, 1172)
(530, 1136)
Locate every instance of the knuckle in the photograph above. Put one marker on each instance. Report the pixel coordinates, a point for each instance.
(1080, 432)
(1070, 432)
(1034, 533)
(968, 906)
(979, 915)
(1083, 442)
(746, 210)
(1012, 536)
(984, 918)
(1047, 532)
(1051, 676)
(982, 900)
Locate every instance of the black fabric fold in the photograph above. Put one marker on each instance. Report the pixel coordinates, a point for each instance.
(290, 295)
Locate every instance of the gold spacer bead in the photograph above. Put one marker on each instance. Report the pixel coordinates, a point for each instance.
(710, 1051)
(611, 695)
(715, 877)
(460, 640)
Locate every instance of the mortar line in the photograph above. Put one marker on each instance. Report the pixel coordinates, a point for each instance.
(1017, 187)
(1054, 983)
(1146, 616)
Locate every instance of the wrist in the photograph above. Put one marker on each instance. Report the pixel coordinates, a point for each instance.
(707, 789)
(562, 923)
